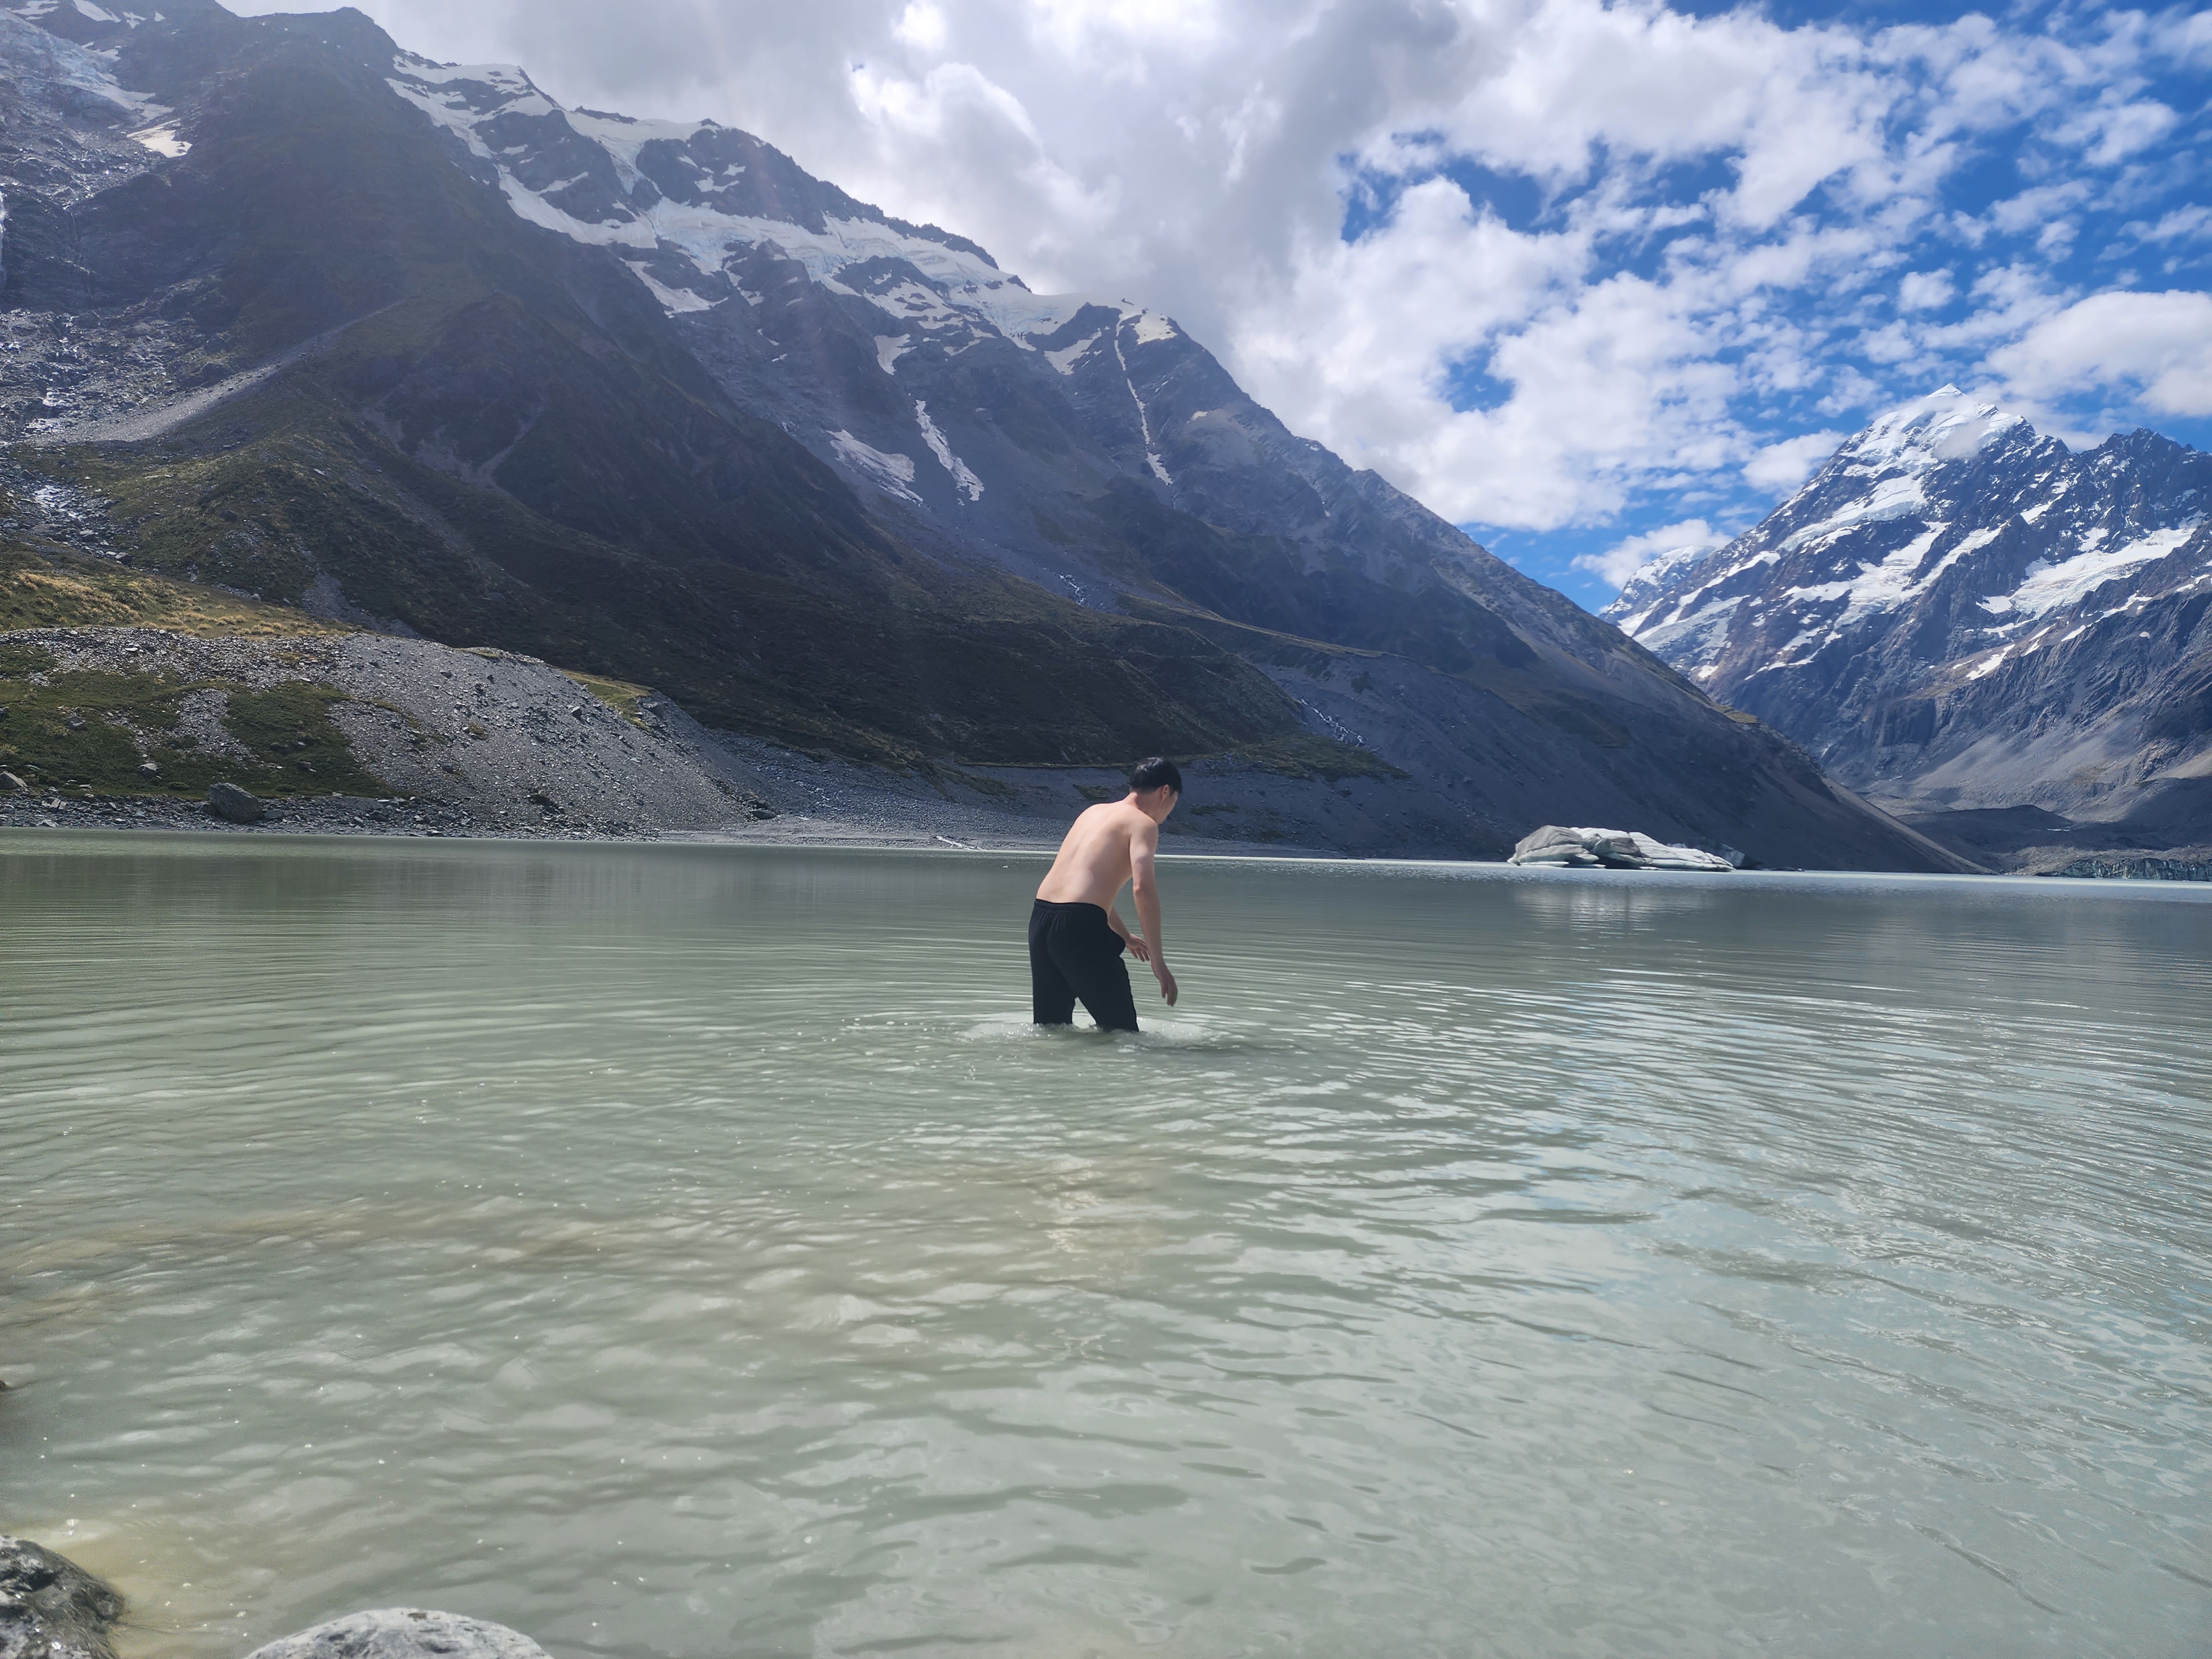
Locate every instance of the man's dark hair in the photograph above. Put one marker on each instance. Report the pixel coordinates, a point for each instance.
(1151, 774)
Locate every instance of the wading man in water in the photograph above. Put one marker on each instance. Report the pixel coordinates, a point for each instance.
(1076, 935)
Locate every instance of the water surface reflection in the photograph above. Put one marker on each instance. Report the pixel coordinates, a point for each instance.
(689, 1250)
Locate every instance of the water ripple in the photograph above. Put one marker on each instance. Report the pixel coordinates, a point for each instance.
(676, 1251)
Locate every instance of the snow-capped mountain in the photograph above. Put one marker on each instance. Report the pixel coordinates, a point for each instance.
(896, 351)
(1958, 610)
(294, 310)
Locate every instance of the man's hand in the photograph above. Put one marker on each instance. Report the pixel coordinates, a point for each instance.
(1168, 988)
(1137, 948)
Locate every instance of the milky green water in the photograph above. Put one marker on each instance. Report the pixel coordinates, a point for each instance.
(688, 1251)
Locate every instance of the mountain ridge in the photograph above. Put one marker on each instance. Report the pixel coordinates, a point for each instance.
(1959, 611)
(831, 480)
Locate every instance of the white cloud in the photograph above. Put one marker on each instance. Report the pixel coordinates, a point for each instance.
(1925, 290)
(922, 26)
(2183, 224)
(1781, 467)
(2161, 343)
(2115, 130)
(1624, 559)
(1738, 214)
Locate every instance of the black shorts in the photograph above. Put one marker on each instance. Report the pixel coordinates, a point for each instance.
(1074, 953)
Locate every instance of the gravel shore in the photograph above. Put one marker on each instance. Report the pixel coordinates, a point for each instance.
(487, 742)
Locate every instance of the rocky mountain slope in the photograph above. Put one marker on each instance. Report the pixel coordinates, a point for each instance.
(1958, 612)
(296, 312)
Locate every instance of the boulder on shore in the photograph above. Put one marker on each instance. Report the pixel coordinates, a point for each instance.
(228, 800)
(1562, 848)
(50, 1608)
(404, 1633)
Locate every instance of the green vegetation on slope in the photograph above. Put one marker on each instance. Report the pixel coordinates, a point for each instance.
(99, 730)
(900, 662)
(41, 588)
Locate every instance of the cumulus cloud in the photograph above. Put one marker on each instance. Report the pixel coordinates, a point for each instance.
(2160, 343)
(1624, 559)
(1544, 263)
(1925, 290)
(1781, 467)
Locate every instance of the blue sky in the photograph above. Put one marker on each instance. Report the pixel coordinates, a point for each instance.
(2036, 208)
(1589, 278)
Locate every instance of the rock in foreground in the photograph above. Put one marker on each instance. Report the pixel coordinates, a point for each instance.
(1613, 849)
(404, 1633)
(50, 1608)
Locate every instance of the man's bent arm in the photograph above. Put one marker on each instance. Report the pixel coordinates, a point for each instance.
(1146, 892)
(1138, 947)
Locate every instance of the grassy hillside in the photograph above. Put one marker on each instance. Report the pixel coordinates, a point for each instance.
(162, 734)
(52, 588)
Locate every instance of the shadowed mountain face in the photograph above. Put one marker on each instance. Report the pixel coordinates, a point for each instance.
(298, 313)
(1958, 612)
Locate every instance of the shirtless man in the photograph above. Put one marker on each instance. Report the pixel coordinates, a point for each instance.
(1076, 935)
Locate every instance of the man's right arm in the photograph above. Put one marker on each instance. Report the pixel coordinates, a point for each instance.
(1143, 888)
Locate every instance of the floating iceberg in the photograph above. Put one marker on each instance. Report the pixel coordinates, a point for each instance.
(1614, 849)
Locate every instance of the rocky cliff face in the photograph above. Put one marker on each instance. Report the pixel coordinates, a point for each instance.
(1959, 611)
(410, 346)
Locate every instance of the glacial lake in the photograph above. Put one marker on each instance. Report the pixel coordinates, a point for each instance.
(688, 1251)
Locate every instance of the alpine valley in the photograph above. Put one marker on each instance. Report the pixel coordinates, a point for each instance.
(2006, 641)
(310, 340)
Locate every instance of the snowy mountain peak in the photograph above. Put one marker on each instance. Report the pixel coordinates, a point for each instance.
(707, 197)
(708, 217)
(650, 392)
(1946, 425)
(1654, 579)
(1948, 557)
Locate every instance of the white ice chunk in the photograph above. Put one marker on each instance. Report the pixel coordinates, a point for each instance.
(890, 347)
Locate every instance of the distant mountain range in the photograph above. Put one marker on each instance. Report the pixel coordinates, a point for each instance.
(293, 312)
(1958, 612)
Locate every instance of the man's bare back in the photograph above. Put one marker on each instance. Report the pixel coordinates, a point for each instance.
(1110, 845)
(1098, 854)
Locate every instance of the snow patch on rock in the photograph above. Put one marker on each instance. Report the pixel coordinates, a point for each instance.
(890, 472)
(2053, 587)
(161, 140)
(1067, 358)
(970, 485)
(673, 299)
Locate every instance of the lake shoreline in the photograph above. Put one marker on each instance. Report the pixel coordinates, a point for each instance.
(429, 822)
